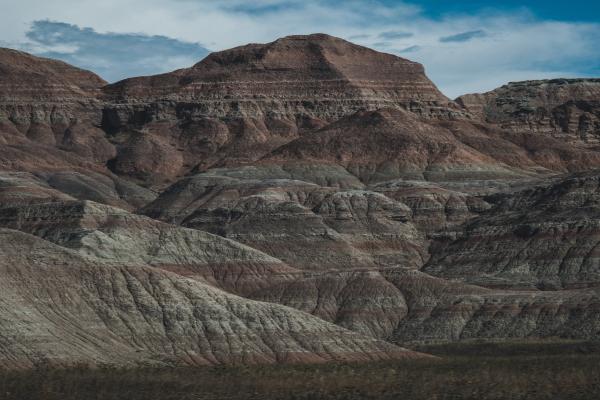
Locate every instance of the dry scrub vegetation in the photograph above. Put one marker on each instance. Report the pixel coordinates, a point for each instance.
(548, 370)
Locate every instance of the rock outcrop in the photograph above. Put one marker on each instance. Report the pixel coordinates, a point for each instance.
(318, 75)
(568, 109)
(352, 284)
(433, 207)
(60, 307)
(310, 227)
(442, 310)
(117, 236)
(237, 105)
(48, 102)
(50, 127)
(544, 237)
(21, 188)
(389, 144)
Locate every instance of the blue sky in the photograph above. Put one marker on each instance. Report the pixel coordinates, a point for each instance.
(466, 46)
(573, 10)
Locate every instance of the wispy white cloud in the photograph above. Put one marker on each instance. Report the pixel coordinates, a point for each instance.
(395, 35)
(464, 36)
(479, 52)
(410, 49)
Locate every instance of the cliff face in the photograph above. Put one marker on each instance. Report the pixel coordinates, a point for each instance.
(543, 237)
(266, 100)
(567, 109)
(50, 118)
(48, 102)
(389, 144)
(237, 105)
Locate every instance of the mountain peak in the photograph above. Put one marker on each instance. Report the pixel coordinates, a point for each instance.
(316, 39)
(311, 36)
(315, 56)
(299, 68)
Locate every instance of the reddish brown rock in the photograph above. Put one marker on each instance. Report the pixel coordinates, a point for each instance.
(556, 122)
(392, 143)
(566, 109)
(28, 78)
(50, 127)
(51, 103)
(238, 104)
(316, 75)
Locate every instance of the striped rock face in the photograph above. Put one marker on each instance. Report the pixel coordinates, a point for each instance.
(305, 200)
(237, 105)
(388, 144)
(61, 307)
(48, 102)
(544, 237)
(564, 108)
(317, 76)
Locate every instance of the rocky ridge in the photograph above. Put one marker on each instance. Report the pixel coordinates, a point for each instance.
(542, 237)
(564, 108)
(62, 308)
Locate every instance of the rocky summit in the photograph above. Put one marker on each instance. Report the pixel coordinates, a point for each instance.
(301, 201)
(237, 105)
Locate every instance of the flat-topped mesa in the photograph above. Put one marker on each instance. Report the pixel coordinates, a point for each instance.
(564, 108)
(316, 75)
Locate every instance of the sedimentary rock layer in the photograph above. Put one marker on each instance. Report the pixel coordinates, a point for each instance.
(544, 237)
(60, 307)
(389, 144)
(568, 109)
(237, 105)
(306, 225)
(48, 102)
(442, 310)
